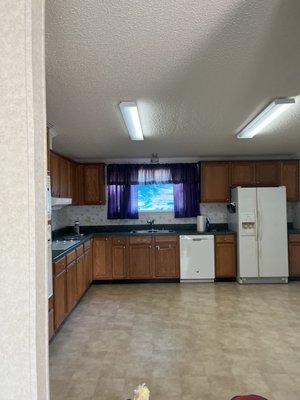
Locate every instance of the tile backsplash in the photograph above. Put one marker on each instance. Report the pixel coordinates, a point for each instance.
(97, 215)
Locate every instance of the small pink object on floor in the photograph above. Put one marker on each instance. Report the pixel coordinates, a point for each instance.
(249, 397)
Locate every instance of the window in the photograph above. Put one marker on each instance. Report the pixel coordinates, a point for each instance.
(156, 197)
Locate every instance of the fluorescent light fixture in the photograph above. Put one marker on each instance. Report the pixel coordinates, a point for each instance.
(272, 111)
(131, 118)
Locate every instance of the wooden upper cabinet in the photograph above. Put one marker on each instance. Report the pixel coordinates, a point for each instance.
(289, 177)
(55, 174)
(267, 173)
(73, 183)
(215, 186)
(102, 258)
(93, 184)
(65, 177)
(242, 173)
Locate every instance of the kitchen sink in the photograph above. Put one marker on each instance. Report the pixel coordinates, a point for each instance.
(145, 231)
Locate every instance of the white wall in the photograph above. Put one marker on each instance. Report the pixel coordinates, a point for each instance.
(23, 302)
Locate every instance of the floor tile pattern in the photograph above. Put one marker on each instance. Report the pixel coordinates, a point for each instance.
(186, 341)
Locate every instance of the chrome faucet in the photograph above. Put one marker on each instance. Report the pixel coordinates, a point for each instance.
(151, 223)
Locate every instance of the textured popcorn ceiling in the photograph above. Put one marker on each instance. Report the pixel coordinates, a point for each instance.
(199, 70)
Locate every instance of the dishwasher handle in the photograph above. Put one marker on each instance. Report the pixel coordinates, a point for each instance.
(198, 239)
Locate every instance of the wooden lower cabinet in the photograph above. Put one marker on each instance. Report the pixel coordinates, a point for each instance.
(71, 285)
(294, 255)
(225, 256)
(141, 257)
(81, 276)
(166, 257)
(102, 258)
(88, 267)
(60, 297)
(136, 257)
(140, 261)
(51, 317)
(119, 257)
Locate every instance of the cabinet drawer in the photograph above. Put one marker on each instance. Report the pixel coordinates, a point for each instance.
(169, 238)
(119, 240)
(225, 238)
(87, 245)
(71, 256)
(294, 237)
(79, 250)
(140, 239)
(59, 266)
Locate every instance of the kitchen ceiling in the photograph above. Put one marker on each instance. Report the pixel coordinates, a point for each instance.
(198, 69)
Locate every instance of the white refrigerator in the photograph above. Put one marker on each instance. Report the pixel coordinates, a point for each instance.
(258, 215)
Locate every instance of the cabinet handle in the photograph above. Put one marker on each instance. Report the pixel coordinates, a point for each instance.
(164, 248)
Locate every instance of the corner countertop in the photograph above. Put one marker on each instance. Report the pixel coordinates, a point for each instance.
(293, 230)
(132, 230)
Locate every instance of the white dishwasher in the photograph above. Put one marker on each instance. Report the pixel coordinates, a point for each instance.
(197, 258)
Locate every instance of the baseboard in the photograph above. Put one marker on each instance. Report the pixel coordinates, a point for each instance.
(128, 281)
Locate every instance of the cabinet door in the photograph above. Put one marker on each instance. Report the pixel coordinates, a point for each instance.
(242, 173)
(118, 259)
(90, 256)
(51, 317)
(294, 255)
(55, 174)
(65, 177)
(102, 258)
(51, 323)
(140, 261)
(60, 297)
(289, 177)
(166, 260)
(73, 184)
(93, 178)
(87, 267)
(215, 182)
(81, 277)
(71, 285)
(225, 258)
(267, 173)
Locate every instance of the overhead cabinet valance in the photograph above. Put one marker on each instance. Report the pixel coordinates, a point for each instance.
(134, 174)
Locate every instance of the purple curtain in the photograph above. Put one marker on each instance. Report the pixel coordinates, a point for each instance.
(185, 179)
(122, 180)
